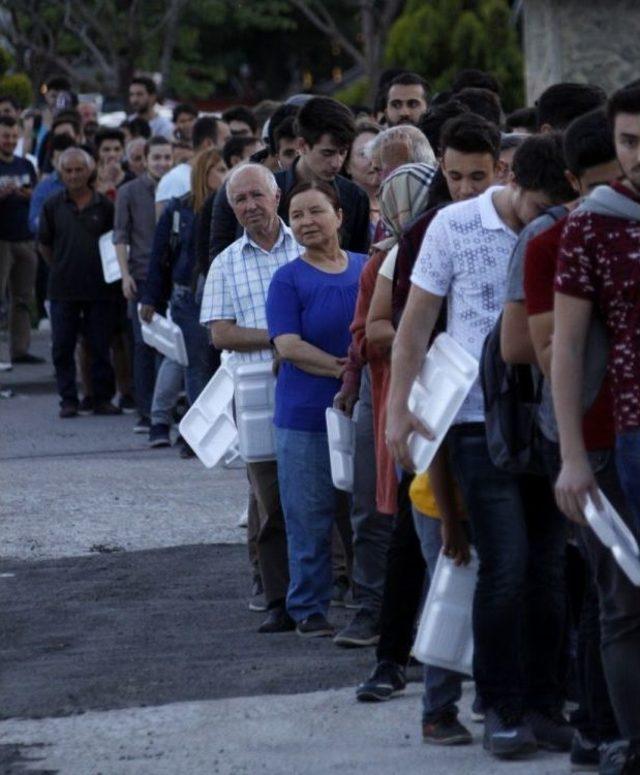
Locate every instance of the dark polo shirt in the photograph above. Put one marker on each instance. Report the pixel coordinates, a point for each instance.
(76, 270)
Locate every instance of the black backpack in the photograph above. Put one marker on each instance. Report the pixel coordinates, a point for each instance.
(512, 394)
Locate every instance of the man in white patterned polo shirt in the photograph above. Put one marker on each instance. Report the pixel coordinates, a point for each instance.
(233, 304)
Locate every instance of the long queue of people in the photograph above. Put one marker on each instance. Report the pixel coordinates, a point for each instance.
(337, 247)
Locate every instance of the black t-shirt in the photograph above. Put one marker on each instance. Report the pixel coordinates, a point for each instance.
(72, 234)
(14, 210)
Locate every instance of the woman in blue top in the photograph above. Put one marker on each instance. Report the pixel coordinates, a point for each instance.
(310, 306)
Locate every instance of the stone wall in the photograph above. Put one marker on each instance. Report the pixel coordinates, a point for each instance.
(595, 41)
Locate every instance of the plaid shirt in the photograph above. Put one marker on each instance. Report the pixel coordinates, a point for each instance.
(238, 282)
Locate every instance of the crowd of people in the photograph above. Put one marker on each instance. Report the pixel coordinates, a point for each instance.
(336, 243)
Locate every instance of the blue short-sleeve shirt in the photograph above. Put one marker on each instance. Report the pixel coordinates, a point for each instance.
(319, 307)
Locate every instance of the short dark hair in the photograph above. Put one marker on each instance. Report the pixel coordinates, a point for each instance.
(61, 143)
(408, 79)
(235, 146)
(511, 140)
(523, 117)
(11, 100)
(484, 102)
(184, 107)
(588, 142)
(539, 165)
(241, 113)
(59, 83)
(280, 114)
(325, 116)
(436, 117)
(204, 128)
(558, 105)
(625, 100)
(315, 185)
(108, 133)
(470, 78)
(154, 141)
(470, 133)
(138, 127)
(285, 131)
(8, 121)
(67, 117)
(144, 80)
(380, 100)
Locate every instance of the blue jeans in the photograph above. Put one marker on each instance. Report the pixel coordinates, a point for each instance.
(442, 688)
(146, 360)
(95, 320)
(520, 603)
(310, 503)
(628, 465)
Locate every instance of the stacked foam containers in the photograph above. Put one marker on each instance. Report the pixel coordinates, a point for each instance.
(255, 386)
(341, 435)
(445, 634)
(109, 259)
(166, 337)
(612, 531)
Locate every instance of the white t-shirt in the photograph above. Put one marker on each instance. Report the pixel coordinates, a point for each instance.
(161, 126)
(465, 256)
(177, 182)
(388, 266)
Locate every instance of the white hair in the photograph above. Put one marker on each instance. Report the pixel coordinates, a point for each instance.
(240, 169)
(75, 151)
(420, 148)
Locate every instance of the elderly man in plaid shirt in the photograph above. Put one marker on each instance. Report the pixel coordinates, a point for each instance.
(233, 305)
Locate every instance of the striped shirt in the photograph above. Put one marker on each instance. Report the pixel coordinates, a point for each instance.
(238, 281)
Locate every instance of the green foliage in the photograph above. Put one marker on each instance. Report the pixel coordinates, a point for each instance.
(6, 60)
(17, 86)
(356, 93)
(440, 37)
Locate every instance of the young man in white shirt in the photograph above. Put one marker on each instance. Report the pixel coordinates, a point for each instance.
(517, 531)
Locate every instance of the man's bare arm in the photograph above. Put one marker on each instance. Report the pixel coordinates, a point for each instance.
(515, 341)
(409, 348)
(227, 335)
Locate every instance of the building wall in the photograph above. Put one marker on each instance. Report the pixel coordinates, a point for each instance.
(595, 41)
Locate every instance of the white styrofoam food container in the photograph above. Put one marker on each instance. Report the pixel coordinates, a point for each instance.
(446, 377)
(611, 529)
(341, 435)
(445, 634)
(166, 336)
(110, 265)
(208, 426)
(255, 386)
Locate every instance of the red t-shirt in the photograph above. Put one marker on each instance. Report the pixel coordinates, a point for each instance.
(540, 264)
(599, 260)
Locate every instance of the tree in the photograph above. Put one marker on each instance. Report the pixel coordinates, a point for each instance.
(16, 85)
(367, 49)
(440, 37)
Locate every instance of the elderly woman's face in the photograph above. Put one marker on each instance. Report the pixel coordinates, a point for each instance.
(361, 167)
(313, 219)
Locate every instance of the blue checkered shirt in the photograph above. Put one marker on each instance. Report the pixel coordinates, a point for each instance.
(238, 281)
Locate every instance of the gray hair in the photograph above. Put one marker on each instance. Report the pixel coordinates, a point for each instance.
(420, 148)
(240, 169)
(75, 151)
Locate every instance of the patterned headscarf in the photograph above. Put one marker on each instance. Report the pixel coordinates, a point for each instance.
(403, 197)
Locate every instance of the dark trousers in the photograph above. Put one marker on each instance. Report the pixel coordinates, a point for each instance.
(520, 604)
(403, 585)
(146, 360)
(94, 319)
(619, 614)
(271, 535)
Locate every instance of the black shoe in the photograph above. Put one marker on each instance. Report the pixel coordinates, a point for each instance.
(363, 630)
(257, 600)
(507, 735)
(127, 404)
(477, 710)
(585, 755)
(159, 436)
(186, 453)
(339, 592)
(68, 409)
(142, 426)
(446, 730)
(278, 620)
(387, 679)
(27, 358)
(551, 730)
(619, 759)
(86, 405)
(315, 626)
(106, 409)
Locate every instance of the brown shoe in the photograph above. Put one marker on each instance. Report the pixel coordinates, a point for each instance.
(106, 408)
